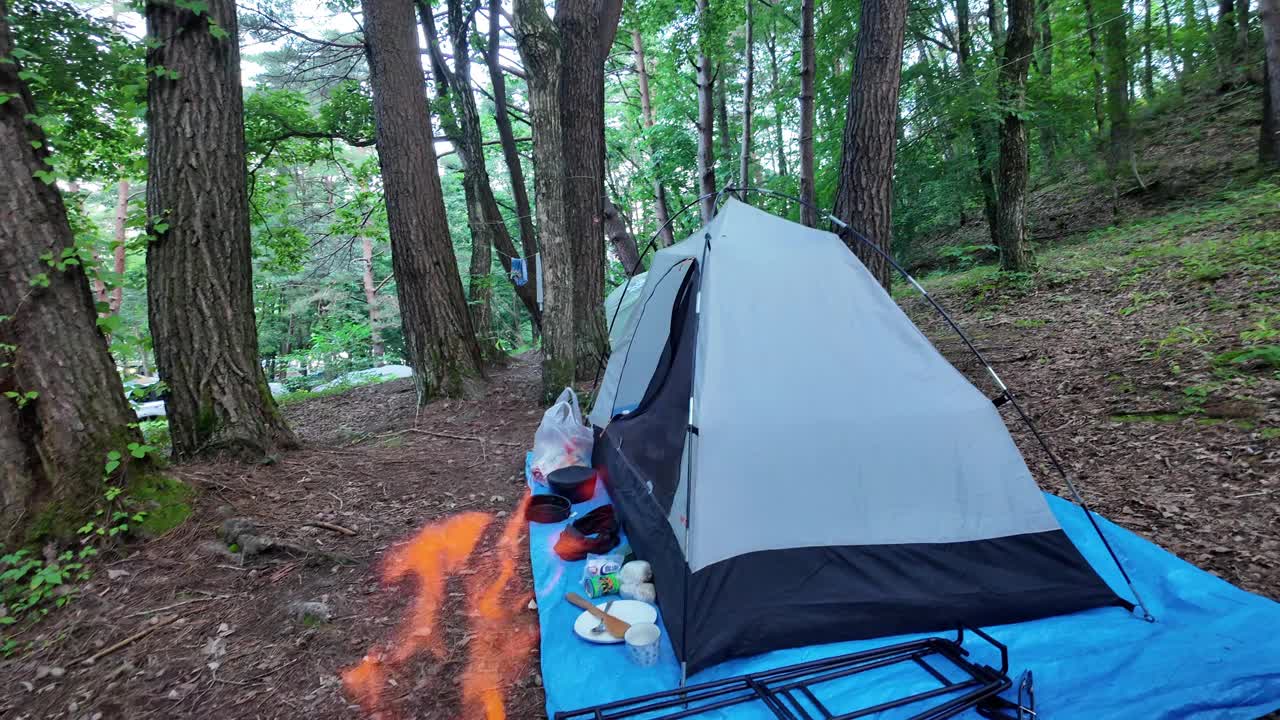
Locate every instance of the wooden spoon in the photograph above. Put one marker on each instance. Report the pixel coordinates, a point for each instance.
(615, 626)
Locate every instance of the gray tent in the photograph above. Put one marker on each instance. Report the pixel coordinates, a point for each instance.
(799, 463)
(619, 303)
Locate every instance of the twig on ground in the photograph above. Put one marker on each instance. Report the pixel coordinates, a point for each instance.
(330, 526)
(461, 437)
(1253, 494)
(127, 641)
(178, 604)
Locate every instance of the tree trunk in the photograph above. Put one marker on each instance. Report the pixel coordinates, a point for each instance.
(53, 442)
(864, 198)
(118, 249)
(808, 64)
(624, 244)
(586, 29)
(1148, 73)
(722, 113)
(1225, 41)
(1099, 113)
(775, 89)
(199, 260)
(1120, 151)
(1048, 135)
(1190, 36)
(371, 297)
(977, 127)
(439, 338)
(1011, 205)
(661, 213)
(1269, 138)
(539, 46)
(511, 155)
(744, 162)
(1242, 37)
(996, 22)
(706, 120)
(1170, 49)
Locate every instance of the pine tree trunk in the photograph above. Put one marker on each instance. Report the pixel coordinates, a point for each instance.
(706, 121)
(54, 443)
(370, 297)
(1099, 112)
(439, 338)
(661, 213)
(585, 36)
(1148, 73)
(539, 46)
(996, 22)
(744, 161)
(624, 244)
(118, 249)
(1190, 35)
(1170, 49)
(511, 156)
(864, 199)
(1225, 42)
(1048, 134)
(775, 89)
(199, 261)
(1120, 150)
(1244, 57)
(808, 64)
(1011, 205)
(977, 126)
(1269, 138)
(722, 112)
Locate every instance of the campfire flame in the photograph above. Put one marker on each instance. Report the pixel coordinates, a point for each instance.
(498, 645)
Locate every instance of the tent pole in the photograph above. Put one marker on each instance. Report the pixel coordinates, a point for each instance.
(1008, 394)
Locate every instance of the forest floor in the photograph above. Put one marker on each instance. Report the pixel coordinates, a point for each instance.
(1148, 353)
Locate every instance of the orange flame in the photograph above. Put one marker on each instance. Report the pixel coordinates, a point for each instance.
(498, 649)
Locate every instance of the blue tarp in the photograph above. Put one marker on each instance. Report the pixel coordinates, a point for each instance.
(1213, 652)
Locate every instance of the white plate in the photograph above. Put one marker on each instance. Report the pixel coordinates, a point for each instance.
(628, 611)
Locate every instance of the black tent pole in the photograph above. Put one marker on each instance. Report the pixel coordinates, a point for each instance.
(1008, 394)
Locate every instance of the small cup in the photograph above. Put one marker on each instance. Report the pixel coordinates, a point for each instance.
(642, 644)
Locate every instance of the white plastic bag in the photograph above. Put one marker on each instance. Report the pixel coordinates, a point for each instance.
(562, 439)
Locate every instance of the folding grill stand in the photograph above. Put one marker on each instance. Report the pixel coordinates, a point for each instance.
(788, 691)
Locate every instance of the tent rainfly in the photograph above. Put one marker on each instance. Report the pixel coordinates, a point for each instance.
(801, 466)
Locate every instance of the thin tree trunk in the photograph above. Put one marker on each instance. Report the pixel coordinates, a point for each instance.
(624, 244)
(864, 199)
(775, 89)
(1011, 205)
(706, 120)
(1170, 49)
(808, 64)
(1148, 72)
(1190, 35)
(511, 154)
(1225, 41)
(722, 112)
(199, 259)
(1048, 134)
(996, 22)
(539, 45)
(118, 249)
(586, 29)
(439, 338)
(371, 297)
(70, 409)
(1099, 113)
(977, 127)
(661, 213)
(744, 162)
(1269, 138)
(1120, 151)
(1245, 58)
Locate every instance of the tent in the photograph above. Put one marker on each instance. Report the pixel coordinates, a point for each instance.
(619, 303)
(801, 466)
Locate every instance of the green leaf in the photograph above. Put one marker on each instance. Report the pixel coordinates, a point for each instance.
(217, 32)
(40, 280)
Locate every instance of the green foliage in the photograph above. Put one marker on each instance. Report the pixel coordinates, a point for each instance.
(31, 585)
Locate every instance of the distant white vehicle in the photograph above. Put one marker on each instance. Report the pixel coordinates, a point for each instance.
(366, 377)
(148, 410)
(277, 389)
(147, 404)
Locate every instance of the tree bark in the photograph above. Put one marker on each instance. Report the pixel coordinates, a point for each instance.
(1011, 206)
(722, 112)
(1225, 41)
(1120, 150)
(539, 45)
(439, 337)
(864, 198)
(980, 129)
(1048, 134)
(624, 244)
(706, 120)
(199, 260)
(661, 212)
(511, 155)
(1242, 37)
(1190, 35)
(1148, 72)
(118, 249)
(1269, 138)
(1171, 49)
(808, 64)
(996, 22)
(54, 444)
(744, 161)
(1099, 112)
(370, 297)
(775, 89)
(586, 29)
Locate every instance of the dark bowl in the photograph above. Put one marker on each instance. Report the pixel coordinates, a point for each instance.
(576, 483)
(547, 509)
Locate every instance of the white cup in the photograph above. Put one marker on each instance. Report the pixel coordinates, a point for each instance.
(642, 644)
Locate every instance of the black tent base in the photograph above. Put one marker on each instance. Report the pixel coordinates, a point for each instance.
(788, 691)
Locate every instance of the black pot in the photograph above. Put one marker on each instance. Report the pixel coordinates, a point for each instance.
(547, 509)
(576, 483)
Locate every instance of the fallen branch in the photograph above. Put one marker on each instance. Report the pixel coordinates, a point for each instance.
(329, 526)
(177, 604)
(127, 641)
(462, 437)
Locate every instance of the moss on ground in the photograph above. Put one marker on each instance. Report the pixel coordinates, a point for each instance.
(166, 500)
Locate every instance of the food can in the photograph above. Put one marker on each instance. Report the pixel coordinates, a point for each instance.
(597, 585)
